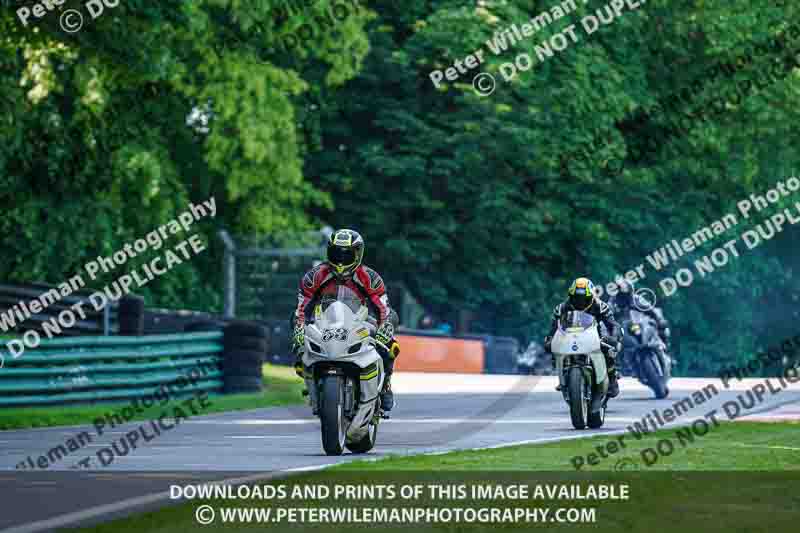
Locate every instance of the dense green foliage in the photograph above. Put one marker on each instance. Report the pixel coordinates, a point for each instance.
(98, 138)
(468, 200)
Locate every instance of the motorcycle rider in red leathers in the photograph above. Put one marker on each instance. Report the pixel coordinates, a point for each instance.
(343, 268)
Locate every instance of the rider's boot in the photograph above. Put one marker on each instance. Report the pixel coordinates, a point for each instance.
(613, 378)
(553, 361)
(613, 384)
(387, 396)
(299, 369)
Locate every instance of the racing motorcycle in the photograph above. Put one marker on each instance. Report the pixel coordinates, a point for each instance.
(344, 374)
(641, 353)
(581, 368)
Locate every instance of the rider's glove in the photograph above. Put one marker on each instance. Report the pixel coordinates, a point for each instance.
(394, 349)
(385, 333)
(298, 339)
(299, 368)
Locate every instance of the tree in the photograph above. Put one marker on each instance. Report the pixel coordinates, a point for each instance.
(468, 200)
(115, 128)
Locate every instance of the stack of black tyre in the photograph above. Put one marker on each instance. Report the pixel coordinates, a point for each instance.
(246, 345)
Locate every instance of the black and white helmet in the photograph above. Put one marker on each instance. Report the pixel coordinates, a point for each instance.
(345, 252)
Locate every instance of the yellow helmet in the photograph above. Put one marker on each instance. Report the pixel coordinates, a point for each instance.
(581, 294)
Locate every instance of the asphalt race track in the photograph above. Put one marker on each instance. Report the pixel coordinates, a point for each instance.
(434, 413)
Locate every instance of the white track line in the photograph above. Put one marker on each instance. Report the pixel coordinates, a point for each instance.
(743, 445)
(467, 420)
(243, 422)
(260, 436)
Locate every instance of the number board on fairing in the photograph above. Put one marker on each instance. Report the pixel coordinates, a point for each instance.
(340, 334)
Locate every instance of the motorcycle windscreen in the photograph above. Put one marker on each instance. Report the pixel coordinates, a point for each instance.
(639, 328)
(576, 321)
(335, 314)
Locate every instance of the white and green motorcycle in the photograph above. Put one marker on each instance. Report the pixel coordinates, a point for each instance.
(581, 367)
(344, 374)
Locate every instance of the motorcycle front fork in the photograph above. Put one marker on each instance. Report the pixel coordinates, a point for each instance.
(349, 396)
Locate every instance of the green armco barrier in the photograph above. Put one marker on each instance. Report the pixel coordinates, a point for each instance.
(87, 369)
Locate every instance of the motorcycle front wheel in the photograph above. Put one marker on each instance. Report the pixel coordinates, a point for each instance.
(596, 420)
(655, 380)
(578, 403)
(367, 442)
(331, 414)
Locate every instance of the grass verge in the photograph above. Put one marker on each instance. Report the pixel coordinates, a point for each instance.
(281, 387)
(745, 499)
(747, 446)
